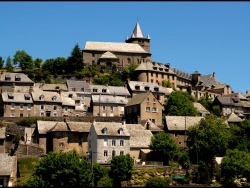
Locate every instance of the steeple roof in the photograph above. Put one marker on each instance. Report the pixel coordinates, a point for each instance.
(137, 33)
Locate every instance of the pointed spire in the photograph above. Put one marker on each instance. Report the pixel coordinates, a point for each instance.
(137, 33)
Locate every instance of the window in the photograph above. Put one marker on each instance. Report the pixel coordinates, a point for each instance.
(122, 109)
(147, 109)
(146, 88)
(55, 114)
(105, 142)
(121, 152)
(65, 108)
(120, 131)
(175, 135)
(41, 97)
(113, 153)
(104, 90)
(42, 114)
(105, 130)
(154, 100)
(111, 108)
(147, 99)
(154, 109)
(95, 90)
(12, 115)
(179, 143)
(28, 115)
(152, 80)
(55, 107)
(113, 142)
(121, 142)
(21, 115)
(12, 105)
(93, 55)
(137, 87)
(152, 74)
(42, 107)
(103, 107)
(105, 153)
(29, 106)
(153, 120)
(54, 98)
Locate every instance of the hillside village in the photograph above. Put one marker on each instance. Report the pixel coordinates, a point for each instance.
(103, 121)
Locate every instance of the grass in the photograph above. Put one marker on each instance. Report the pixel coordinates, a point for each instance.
(26, 167)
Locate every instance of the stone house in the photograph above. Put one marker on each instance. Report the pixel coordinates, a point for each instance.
(10, 80)
(149, 125)
(109, 54)
(140, 139)
(14, 104)
(8, 170)
(106, 140)
(53, 87)
(62, 136)
(46, 103)
(144, 106)
(108, 105)
(177, 126)
(2, 139)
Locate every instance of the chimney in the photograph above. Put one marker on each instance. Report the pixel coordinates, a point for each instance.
(213, 74)
(124, 122)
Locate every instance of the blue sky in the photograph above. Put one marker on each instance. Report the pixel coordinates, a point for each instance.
(192, 36)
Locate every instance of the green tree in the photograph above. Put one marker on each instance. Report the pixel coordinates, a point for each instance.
(158, 182)
(180, 104)
(166, 83)
(164, 147)
(75, 60)
(105, 181)
(55, 66)
(99, 172)
(9, 66)
(63, 169)
(208, 139)
(38, 62)
(206, 102)
(23, 59)
(128, 71)
(121, 169)
(1, 62)
(235, 165)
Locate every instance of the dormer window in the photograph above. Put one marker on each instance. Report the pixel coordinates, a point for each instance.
(26, 97)
(57, 87)
(155, 68)
(146, 88)
(10, 96)
(104, 90)
(70, 95)
(17, 78)
(7, 77)
(161, 69)
(156, 89)
(105, 130)
(82, 89)
(41, 97)
(166, 70)
(95, 90)
(54, 98)
(137, 87)
(120, 131)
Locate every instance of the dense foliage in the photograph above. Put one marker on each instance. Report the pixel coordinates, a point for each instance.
(157, 182)
(180, 104)
(164, 147)
(61, 170)
(121, 169)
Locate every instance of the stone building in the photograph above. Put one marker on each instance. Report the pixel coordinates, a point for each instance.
(2, 139)
(135, 49)
(142, 107)
(106, 140)
(62, 136)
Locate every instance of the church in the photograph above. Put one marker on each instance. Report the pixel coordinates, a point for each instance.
(135, 49)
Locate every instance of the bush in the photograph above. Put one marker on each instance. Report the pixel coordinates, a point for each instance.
(105, 182)
(157, 182)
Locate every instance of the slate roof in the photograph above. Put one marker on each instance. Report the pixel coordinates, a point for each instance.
(236, 95)
(47, 126)
(233, 118)
(112, 129)
(113, 47)
(140, 138)
(7, 164)
(66, 100)
(154, 66)
(54, 87)
(17, 97)
(108, 55)
(2, 132)
(225, 100)
(99, 89)
(179, 122)
(48, 95)
(137, 33)
(137, 99)
(200, 108)
(132, 85)
(118, 90)
(23, 77)
(182, 74)
(78, 85)
(152, 126)
(109, 99)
